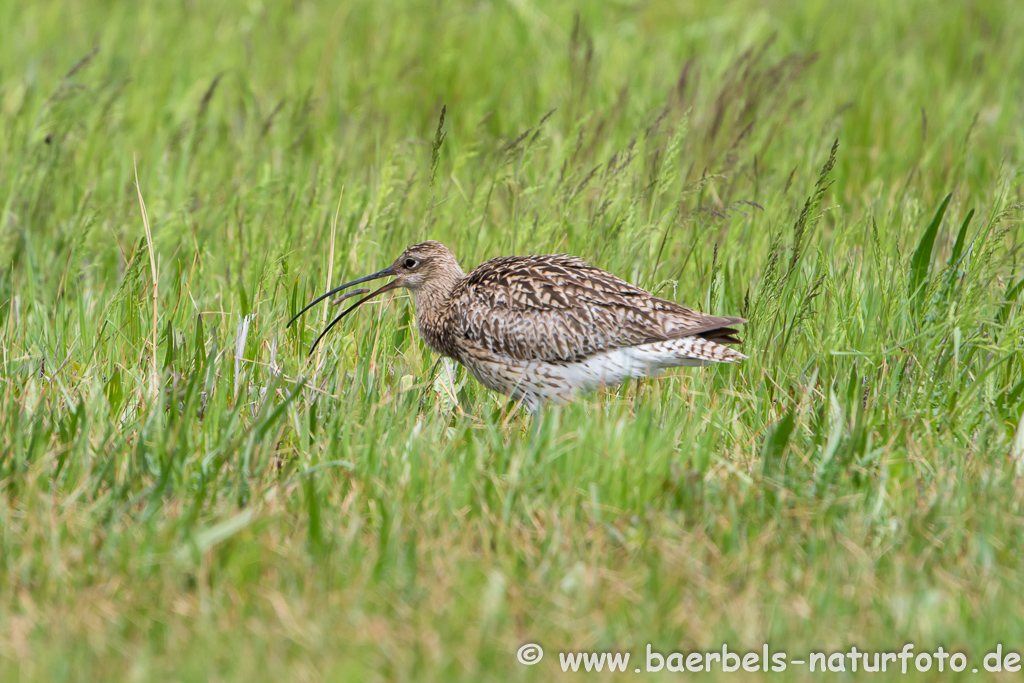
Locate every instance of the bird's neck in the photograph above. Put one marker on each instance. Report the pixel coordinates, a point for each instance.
(433, 311)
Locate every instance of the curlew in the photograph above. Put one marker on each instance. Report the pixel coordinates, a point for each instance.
(545, 328)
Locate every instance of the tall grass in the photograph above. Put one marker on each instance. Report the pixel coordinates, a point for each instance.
(185, 496)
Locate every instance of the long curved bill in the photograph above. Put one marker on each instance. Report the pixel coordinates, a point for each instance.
(387, 272)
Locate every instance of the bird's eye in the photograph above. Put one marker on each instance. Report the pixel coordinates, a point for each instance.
(410, 263)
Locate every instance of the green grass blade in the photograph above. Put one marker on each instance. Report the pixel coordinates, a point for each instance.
(922, 258)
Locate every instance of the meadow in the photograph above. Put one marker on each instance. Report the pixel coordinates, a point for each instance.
(185, 496)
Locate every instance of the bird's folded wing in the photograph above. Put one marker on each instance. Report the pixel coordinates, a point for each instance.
(557, 308)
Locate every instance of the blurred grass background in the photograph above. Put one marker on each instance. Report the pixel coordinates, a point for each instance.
(202, 503)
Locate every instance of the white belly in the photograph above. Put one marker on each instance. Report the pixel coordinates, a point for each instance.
(539, 381)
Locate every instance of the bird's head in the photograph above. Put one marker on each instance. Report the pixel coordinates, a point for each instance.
(419, 267)
(423, 263)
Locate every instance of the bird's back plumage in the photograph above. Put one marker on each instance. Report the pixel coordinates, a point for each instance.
(558, 308)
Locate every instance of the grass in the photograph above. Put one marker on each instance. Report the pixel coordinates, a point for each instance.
(183, 496)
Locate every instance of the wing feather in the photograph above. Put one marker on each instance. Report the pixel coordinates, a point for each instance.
(558, 308)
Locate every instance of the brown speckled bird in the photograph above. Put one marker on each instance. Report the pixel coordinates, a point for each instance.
(540, 328)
